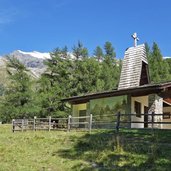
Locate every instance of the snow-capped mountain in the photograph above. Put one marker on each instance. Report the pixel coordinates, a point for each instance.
(34, 61)
(34, 54)
(31, 59)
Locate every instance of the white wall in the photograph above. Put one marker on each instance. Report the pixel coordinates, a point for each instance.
(144, 102)
(75, 110)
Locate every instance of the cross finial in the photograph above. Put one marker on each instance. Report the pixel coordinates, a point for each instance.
(135, 37)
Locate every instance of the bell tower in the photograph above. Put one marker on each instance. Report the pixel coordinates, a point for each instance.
(134, 67)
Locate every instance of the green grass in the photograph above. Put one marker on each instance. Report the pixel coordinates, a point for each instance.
(99, 151)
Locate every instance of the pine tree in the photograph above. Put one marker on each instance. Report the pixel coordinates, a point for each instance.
(80, 51)
(159, 68)
(110, 70)
(98, 52)
(18, 100)
(109, 51)
(168, 60)
(63, 53)
(55, 84)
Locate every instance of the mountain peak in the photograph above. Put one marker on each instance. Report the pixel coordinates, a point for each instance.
(36, 54)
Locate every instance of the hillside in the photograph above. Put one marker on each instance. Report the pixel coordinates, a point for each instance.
(3, 73)
(136, 150)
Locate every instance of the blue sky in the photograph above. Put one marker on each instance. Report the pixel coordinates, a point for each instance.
(43, 25)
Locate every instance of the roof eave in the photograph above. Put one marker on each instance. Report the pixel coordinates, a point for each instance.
(135, 91)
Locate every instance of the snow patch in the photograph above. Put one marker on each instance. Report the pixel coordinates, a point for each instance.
(36, 54)
(166, 57)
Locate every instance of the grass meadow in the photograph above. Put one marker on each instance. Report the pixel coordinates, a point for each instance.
(101, 150)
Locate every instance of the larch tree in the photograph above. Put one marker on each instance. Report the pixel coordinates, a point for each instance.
(159, 68)
(55, 84)
(18, 99)
(79, 51)
(98, 53)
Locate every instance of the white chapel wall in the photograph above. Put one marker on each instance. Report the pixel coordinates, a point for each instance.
(144, 102)
(76, 108)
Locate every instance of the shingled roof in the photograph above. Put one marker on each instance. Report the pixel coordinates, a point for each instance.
(134, 68)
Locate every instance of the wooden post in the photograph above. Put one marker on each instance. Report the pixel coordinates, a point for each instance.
(22, 125)
(152, 119)
(90, 122)
(118, 121)
(50, 122)
(13, 125)
(69, 122)
(34, 123)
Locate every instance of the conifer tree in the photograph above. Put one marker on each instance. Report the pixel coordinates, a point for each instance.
(98, 52)
(86, 77)
(55, 84)
(168, 60)
(18, 100)
(159, 68)
(110, 70)
(109, 51)
(79, 51)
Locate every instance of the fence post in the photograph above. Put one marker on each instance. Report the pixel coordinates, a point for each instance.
(34, 123)
(69, 122)
(13, 125)
(90, 122)
(22, 125)
(50, 122)
(118, 121)
(152, 119)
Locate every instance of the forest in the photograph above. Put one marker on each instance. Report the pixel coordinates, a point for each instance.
(25, 97)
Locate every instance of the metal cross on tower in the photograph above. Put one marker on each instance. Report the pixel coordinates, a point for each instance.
(135, 37)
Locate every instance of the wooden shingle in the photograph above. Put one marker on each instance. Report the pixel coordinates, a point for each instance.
(134, 68)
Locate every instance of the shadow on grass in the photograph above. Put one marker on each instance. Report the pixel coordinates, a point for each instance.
(128, 150)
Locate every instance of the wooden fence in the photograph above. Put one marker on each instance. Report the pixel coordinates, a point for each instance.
(108, 121)
(52, 123)
(153, 120)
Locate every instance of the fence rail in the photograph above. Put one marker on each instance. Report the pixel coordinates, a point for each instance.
(52, 123)
(112, 121)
